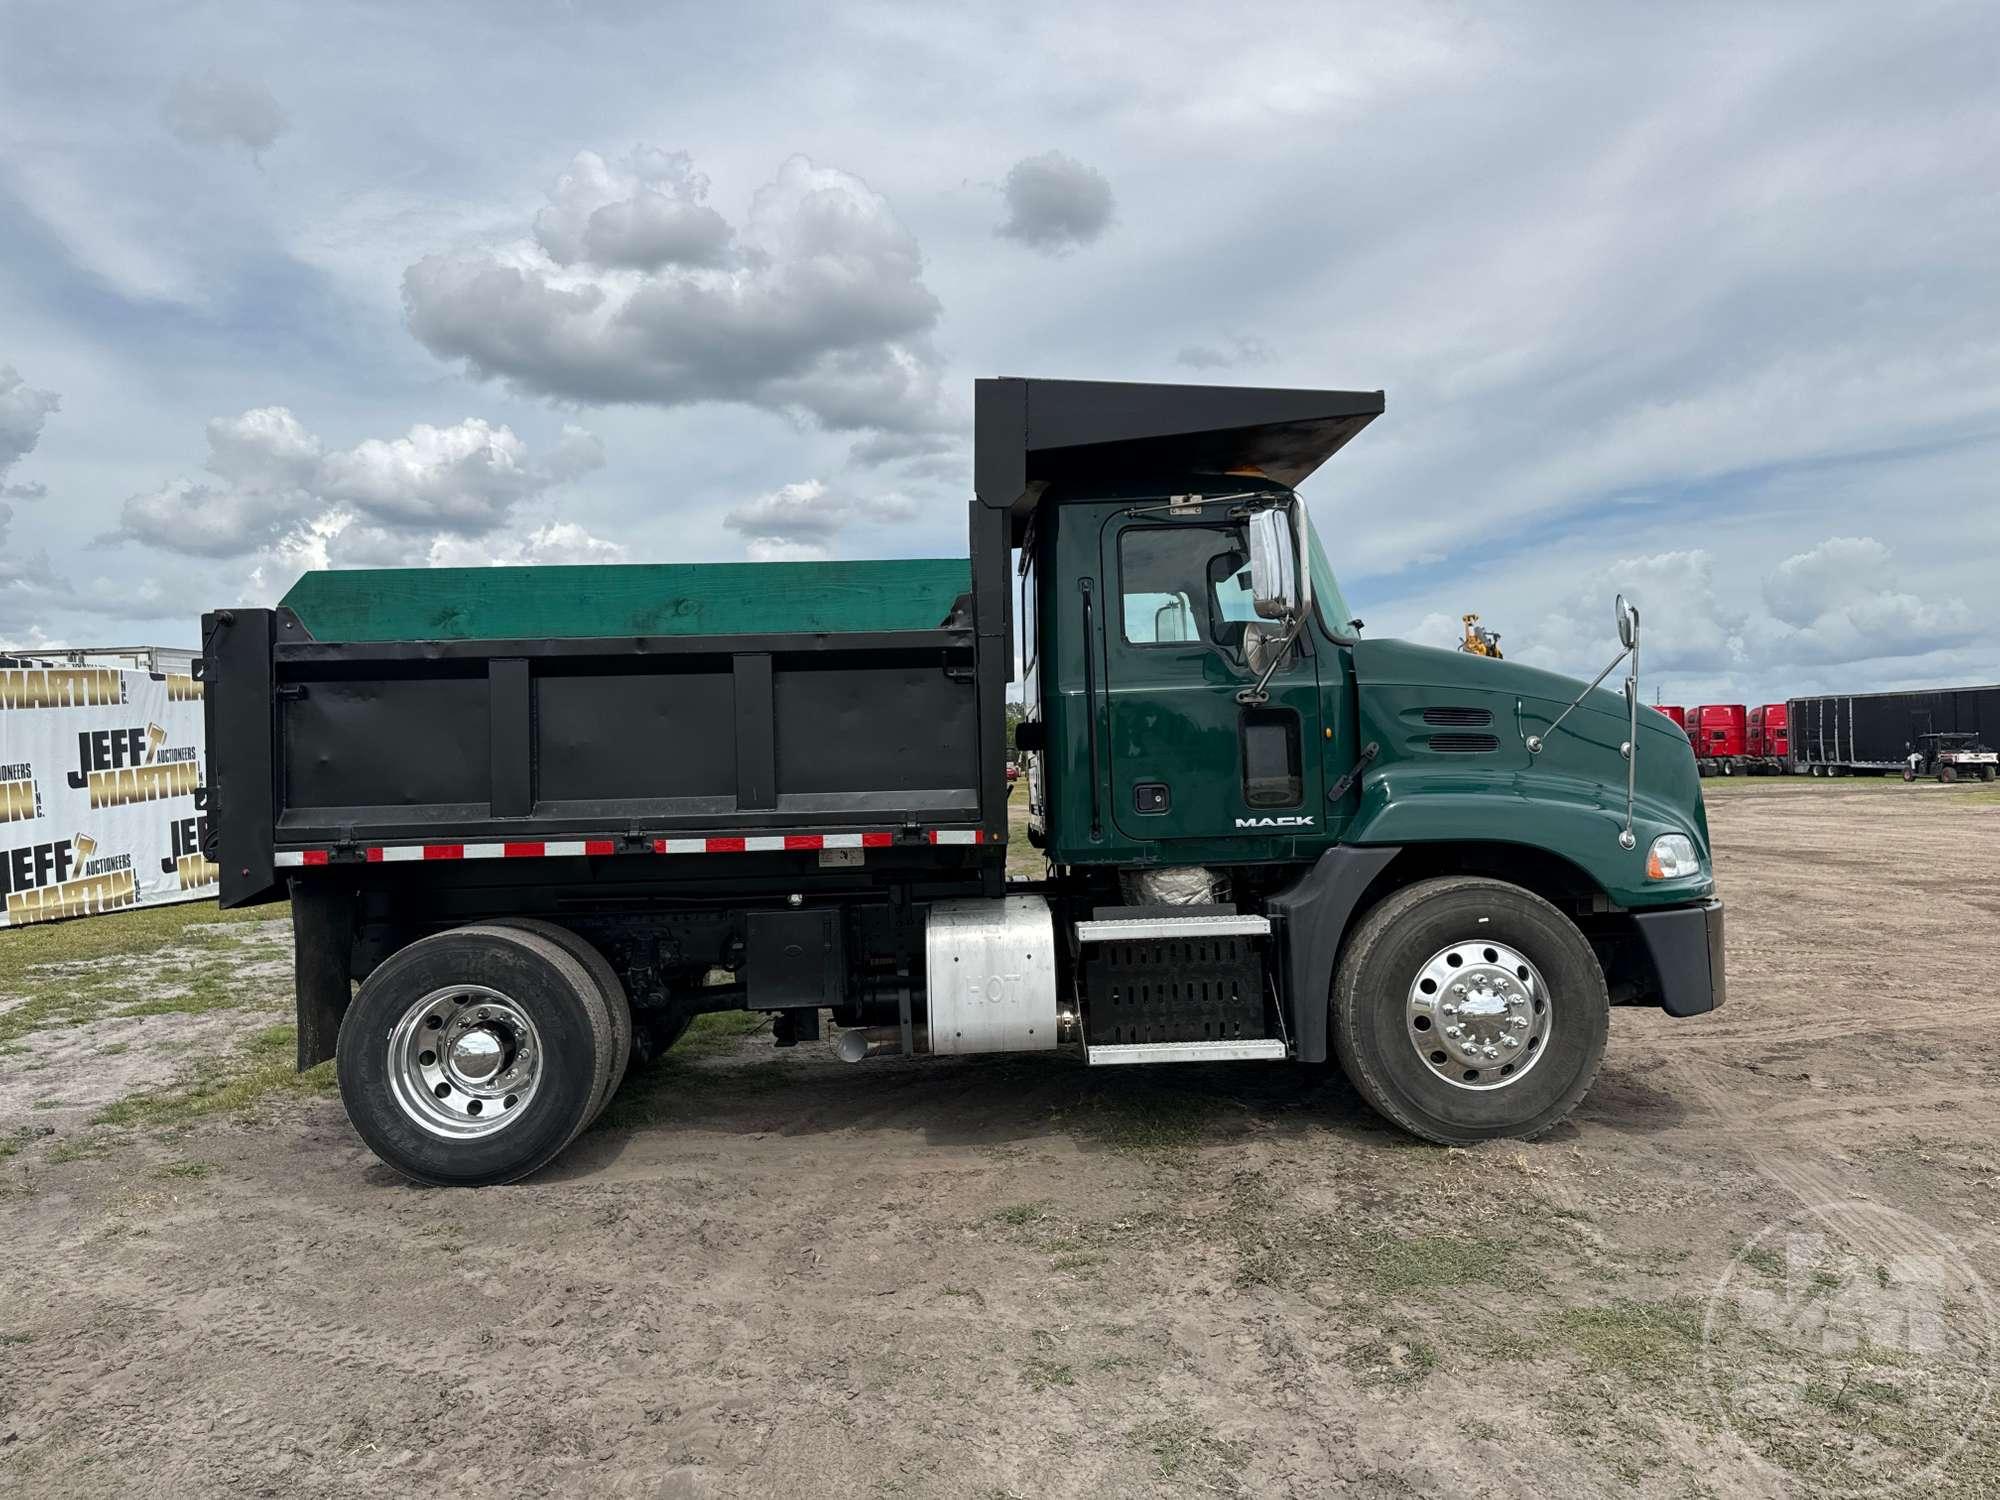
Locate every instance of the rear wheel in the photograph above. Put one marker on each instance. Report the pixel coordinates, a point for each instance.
(1947, 773)
(474, 1056)
(1987, 773)
(1466, 1009)
(609, 987)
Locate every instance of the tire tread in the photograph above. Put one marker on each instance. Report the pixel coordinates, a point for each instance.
(1375, 927)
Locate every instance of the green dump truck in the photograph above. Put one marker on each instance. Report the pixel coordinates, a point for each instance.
(546, 816)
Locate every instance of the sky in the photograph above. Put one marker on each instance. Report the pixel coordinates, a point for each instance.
(1696, 302)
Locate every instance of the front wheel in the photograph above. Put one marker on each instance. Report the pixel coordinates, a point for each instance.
(1466, 1009)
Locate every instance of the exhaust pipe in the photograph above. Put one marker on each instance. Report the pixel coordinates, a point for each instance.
(879, 1041)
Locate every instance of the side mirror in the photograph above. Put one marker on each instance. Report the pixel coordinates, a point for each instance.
(1628, 623)
(1274, 568)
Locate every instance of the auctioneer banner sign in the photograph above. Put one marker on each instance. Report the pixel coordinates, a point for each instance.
(103, 792)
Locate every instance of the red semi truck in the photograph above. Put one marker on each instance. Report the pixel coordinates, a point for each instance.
(1718, 731)
(1675, 712)
(1768, 741)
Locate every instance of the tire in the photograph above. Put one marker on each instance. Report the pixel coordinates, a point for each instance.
(1988, 773)
(1947, 773)
(1909, 773)
(1728, 768)
(548, 1000)
(1373, 1023)
(1701, 768)
(609, 987)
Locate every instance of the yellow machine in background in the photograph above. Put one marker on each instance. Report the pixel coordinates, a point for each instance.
(1479, 640)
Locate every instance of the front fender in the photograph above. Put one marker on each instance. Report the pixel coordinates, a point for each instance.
(1574, 817)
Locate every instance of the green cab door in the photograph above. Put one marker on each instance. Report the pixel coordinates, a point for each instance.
(1187, 760)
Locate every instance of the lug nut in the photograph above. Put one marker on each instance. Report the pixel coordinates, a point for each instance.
(1451, 1010)
(1454, 1031)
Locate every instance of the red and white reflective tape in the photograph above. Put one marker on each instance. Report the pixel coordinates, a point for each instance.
(769, 843)
(761, 843)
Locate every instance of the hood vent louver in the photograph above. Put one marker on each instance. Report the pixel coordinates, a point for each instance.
(1464, 744)
(1458, 717)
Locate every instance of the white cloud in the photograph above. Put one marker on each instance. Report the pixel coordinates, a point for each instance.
(1840, 601)
(1684, 624)
(558, 542)
(797, 522)
(23, 410)
(210, 109)
(763, 549)
(1227, 353)
(278, 491)
(1055, 203)
(633, 290)
(29, 587)
(647, 213)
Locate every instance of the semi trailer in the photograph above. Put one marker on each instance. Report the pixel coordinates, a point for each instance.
(1719, 733)
(1840, 734)
(532, 821)
(1767, 742)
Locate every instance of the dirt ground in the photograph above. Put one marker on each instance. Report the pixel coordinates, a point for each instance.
(1756, 1263)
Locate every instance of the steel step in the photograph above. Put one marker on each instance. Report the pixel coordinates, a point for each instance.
(1244, 1049)
(1156, 929)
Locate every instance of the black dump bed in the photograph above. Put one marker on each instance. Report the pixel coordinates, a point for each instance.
(382, 751)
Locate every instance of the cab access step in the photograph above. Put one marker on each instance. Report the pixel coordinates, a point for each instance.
(1176, 984)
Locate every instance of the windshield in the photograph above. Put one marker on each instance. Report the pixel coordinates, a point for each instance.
(1327, 598)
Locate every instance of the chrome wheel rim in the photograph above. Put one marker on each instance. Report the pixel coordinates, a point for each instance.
(1478, 1015)
(464, 1062)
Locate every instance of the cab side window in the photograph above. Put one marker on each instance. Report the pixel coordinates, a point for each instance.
(1183, 584)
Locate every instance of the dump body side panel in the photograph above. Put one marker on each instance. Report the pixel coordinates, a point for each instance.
(346, 747)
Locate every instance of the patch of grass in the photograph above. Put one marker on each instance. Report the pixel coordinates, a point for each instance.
(40, 963)
(14, 1339)
(262, 1067)
(1763, 1259)
(1394, 1359)
(1182, 1444)
(1018, 1214)
(14, 1141)
(186, 1171)
(720, 1031)
(79, 1148)
(1081, 1260)
(1643, 1341)
(1148, 1121)
(114, 1049)
(1426, 1261)
(1039, 1374)
(115, 935)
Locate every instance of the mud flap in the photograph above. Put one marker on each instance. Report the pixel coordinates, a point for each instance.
(322, 965)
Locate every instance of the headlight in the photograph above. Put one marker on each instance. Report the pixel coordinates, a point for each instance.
(1671, 857)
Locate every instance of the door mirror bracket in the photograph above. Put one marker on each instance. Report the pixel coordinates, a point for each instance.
(1279, 592)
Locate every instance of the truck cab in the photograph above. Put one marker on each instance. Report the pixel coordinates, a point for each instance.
(1266, 836)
